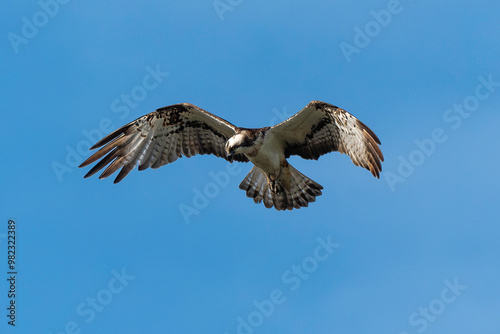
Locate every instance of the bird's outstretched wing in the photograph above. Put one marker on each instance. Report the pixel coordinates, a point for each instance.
(321, 128)
(161, 137)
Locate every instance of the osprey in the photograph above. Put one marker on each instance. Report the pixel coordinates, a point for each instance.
(163, 136)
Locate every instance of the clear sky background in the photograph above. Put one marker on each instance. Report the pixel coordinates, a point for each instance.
(416, 251)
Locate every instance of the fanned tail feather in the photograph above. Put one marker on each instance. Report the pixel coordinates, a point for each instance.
(294, 189)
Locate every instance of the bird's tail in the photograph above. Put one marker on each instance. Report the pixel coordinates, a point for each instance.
(291, 190)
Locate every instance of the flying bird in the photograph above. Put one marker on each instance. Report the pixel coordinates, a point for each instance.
(163, 136)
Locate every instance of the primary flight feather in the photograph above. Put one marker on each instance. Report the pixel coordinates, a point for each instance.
(163, 136)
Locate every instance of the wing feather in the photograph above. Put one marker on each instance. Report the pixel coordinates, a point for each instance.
(161, 137)
(321, 128)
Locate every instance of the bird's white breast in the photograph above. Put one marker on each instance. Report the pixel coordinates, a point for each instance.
(270, 154)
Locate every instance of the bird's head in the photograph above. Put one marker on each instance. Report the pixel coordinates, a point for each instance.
(243, 141)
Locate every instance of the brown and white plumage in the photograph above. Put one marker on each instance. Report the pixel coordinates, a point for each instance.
(163, 136)
(321, 128)
(298, 191)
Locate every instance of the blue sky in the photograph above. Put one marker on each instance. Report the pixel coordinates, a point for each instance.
(416, 251)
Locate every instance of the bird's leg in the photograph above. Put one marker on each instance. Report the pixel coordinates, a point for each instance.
(275, 186)
(274, 183)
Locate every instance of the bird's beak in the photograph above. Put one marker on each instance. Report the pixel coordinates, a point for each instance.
(229, 152)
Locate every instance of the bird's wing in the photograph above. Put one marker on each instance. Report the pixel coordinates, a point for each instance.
(161, 137)
(321, 128)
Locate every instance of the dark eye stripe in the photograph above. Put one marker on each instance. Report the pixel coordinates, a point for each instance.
(247, 143)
